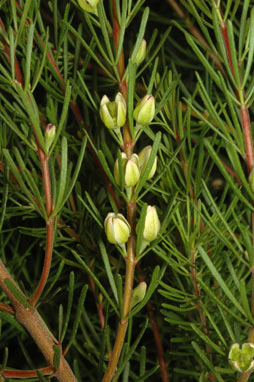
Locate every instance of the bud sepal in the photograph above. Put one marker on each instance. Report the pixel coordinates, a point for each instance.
(242, 359)
(89, 6)
(50, 133)
(113, 113)
(151, 228)
(117, 228)
(130, 168)
(138, 294)
(141, 53)
(144, 112)
(144, 156)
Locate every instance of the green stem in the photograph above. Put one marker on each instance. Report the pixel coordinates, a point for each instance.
(123, 324)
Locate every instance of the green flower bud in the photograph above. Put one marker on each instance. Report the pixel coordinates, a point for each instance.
(113, 114)
(50, 133)
(140, 56)
(132, 172)
(138, 294)
(89, 5)
(145, 110)
(117, 228)
(242, 359)
(130, 168)
(152, 224)
(143, 159)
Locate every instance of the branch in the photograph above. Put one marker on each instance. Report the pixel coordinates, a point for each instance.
(31, 320)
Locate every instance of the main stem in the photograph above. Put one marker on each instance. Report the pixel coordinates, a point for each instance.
(123, 324)
(31, 320)
(131, 214)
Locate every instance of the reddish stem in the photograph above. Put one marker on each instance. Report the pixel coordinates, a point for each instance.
(247, 136)
(47, 262)
(27, 373)
(7, 308)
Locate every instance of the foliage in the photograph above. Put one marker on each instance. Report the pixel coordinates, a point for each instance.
(193, 283)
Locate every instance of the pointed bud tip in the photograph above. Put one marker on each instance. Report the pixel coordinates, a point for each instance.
(145, 110)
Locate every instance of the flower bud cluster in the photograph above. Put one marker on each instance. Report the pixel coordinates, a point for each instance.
(134, 167)
(131, 168)
(113, 114)
(242, 359)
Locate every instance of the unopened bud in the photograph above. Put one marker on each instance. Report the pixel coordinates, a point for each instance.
(140, 56)
(143, 160)
(138, 294)
(145, 110)
(242, 359)
(117, 228)
(113, 114)
(89, 5)
(152, 224)
(130, 168)
(50, 133)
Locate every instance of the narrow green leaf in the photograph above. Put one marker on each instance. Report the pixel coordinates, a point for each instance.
(105, 166)
(126, 373)
(63, 174)
(60, 320)
(206, 360)
(206, 339)
(140, 228)
(220, 280)
(233, 51)
(97, 282)
(57, 356)
(40, 376)
(64, 114)
(131, 93)
(245, 300)
(141, 33)
(69, 305)
(29, 48)
(119, 287)
(149, 165)
(4, 195)
(31, 108)
(251, 48)
(104, 24)
(89, 50)
(122, 30)
(17, 293)
(72, 183)
(7, 317)
(24, 17)
(215, 327)
(108, 269)
(202, 58)
(78, 316)
(18, 177)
